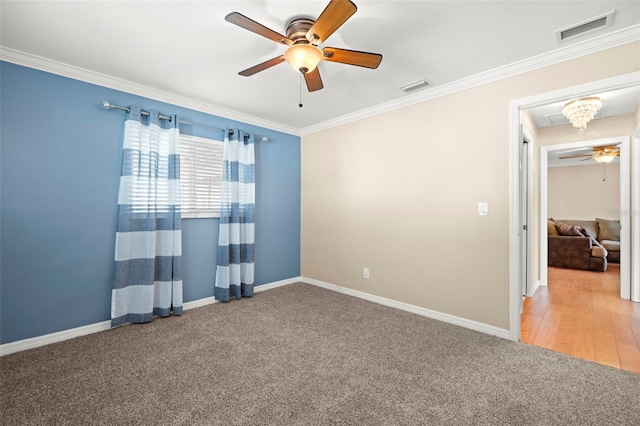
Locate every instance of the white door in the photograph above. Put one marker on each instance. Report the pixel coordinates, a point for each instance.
(525, 215)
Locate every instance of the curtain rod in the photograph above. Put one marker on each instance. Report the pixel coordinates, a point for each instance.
(108, 105)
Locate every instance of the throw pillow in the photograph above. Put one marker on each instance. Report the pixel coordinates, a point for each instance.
(569, 230)
(608, 229)
(551, 228)
(591, 226)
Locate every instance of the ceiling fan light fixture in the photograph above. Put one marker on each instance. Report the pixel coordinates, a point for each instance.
(580, 111)
(304, 34)
(303, 58)
(606, 158)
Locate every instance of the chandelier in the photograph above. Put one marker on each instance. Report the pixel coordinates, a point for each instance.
(580, 111)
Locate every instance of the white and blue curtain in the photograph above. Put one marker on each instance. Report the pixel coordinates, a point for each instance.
(235, 263)
(148, 252)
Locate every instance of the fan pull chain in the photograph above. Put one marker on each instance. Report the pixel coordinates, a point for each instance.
(300, 104)
(604, 172)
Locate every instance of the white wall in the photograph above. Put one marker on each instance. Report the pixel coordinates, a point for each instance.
(579, 192)
(398, 193)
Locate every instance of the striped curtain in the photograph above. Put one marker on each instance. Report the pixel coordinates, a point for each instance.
(235, 266)
(148, 253)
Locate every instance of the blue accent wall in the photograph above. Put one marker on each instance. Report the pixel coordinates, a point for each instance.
(59, 172)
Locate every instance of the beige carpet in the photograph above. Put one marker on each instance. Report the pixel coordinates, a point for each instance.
(302, 355)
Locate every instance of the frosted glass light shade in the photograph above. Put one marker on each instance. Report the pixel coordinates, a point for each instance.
(303, 57)
(607, 158)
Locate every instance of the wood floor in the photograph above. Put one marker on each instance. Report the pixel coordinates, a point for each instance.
(581, 314)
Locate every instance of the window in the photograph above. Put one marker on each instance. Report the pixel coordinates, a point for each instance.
(200, 176)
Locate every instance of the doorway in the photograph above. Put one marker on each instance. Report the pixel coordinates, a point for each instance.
(624, 208)
(515, 262)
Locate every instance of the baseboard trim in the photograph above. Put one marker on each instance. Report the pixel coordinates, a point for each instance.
(440, 316)
(535, 287)
(47, 339)
(34, 342)
(199, 303)
(275, 284)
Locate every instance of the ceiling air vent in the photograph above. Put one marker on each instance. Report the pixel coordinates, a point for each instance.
(597, 23)
(414, 86)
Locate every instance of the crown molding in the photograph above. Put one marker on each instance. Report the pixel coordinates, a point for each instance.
(617, 38)
(59, 68)
(613, 39)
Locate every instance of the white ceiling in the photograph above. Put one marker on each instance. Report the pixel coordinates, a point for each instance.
(187, 49)
(614, 103)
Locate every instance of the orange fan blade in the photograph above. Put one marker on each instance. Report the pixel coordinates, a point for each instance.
(251, 25)
(263, 66)
(332, 17)
(352, 57)
(314, 82)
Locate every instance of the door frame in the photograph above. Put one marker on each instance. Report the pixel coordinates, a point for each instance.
(625, 205)
(635, 215)
(515, 105)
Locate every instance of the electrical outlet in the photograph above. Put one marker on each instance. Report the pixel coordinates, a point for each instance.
(365, 273)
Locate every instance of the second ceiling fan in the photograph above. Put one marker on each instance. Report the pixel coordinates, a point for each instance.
(602, 154)
(303, 37)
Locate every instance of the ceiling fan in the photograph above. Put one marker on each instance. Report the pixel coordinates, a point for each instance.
(303, 37)
(602, 154)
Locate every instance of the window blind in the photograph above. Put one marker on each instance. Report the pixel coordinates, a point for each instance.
(200, 176)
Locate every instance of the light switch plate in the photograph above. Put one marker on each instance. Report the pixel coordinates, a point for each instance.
(483, 208)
